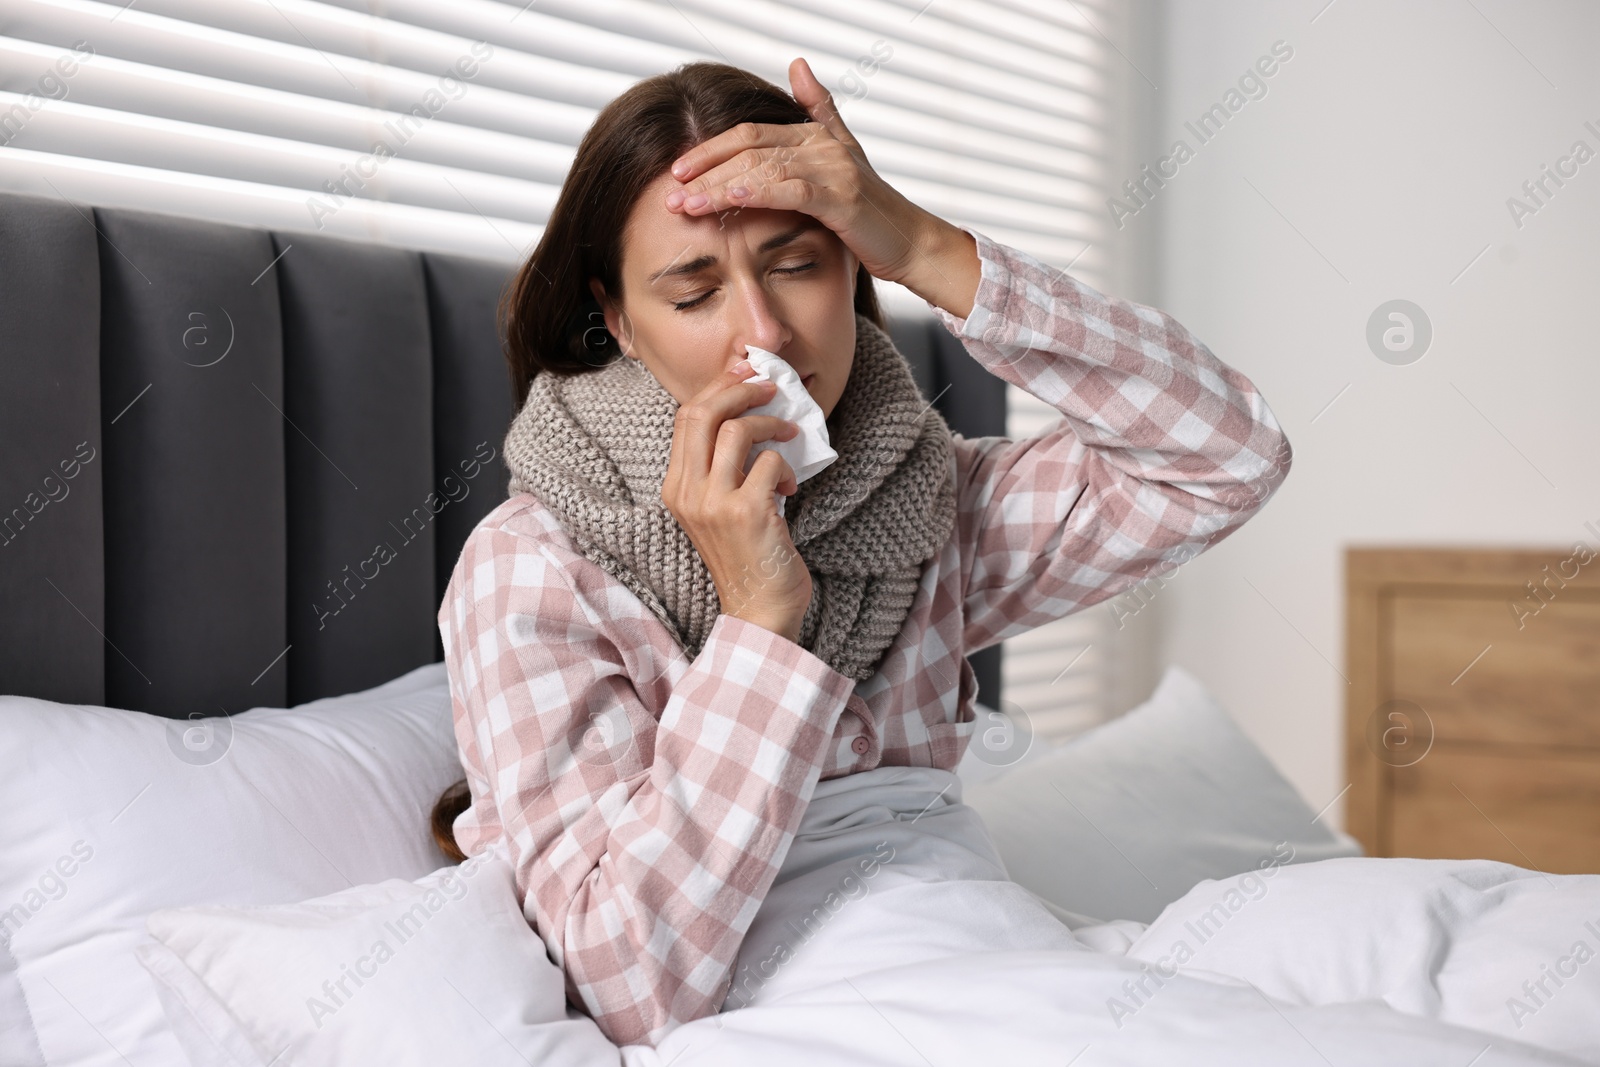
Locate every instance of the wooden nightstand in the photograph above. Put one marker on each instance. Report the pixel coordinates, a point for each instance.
(1473, 716)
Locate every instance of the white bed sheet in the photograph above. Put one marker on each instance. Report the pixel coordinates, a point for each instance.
(935, 958)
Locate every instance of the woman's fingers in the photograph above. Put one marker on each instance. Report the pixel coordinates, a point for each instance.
(736, 437)
(801, 151)
(740, 372)
(704, 424)
(692, 446)
(694, 430)
(770, 474)
(711, 154)
(816, 99)
(761, 190)
(714, 151)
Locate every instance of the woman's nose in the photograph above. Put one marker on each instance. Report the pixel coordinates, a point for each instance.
(764, 333)
(762, 324)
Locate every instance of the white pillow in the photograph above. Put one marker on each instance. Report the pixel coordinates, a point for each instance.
(1126, 818)
(111, 814)
(443, 969)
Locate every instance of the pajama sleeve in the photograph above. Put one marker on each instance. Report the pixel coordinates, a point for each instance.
(642, 849)
(1161, 449)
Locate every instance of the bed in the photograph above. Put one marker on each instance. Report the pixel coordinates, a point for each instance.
(225, 721)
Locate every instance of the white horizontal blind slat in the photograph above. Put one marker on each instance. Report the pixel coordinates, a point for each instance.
(141, 140)
(565, 62)
(143, 90)
(296, 67)
(1006, 75)
(87, 181)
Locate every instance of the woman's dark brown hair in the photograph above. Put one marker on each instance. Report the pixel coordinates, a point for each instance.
(551, 319)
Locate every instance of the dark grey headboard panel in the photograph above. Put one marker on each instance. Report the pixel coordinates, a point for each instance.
(237, 466)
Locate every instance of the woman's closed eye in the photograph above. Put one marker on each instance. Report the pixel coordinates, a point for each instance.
(689, 305)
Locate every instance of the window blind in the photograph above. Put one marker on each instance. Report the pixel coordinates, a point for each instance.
(997, 114)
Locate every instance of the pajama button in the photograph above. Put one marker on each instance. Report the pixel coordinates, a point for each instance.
(860, 745)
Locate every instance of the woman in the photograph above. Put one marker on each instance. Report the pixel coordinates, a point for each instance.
(651, 668)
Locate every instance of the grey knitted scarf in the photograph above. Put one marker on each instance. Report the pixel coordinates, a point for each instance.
(594, 447)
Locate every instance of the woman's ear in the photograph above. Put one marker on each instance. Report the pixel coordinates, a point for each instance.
(598, 291)
(613, 315)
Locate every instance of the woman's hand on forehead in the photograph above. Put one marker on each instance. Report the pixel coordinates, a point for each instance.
(816, 167)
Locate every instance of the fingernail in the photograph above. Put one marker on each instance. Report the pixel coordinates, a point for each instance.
(680, 168)
(697, 200)
(675, 198)
(740, 191)
(743, 367)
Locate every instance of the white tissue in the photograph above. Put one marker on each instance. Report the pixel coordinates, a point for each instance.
(808, 452)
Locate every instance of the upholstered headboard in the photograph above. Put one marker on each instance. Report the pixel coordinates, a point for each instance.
(237, 465)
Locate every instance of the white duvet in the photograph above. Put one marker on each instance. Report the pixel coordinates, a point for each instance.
(892, 936)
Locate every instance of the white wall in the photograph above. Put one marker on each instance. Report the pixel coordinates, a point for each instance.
(1133, 650)
(1378, 166)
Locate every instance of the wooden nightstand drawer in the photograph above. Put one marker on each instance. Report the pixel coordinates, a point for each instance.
(1463, 658)
(1472, 722)
(1539, 811)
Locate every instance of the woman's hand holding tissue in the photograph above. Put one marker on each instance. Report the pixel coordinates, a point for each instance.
(819, 168)
(808, 451)
(728, 512)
